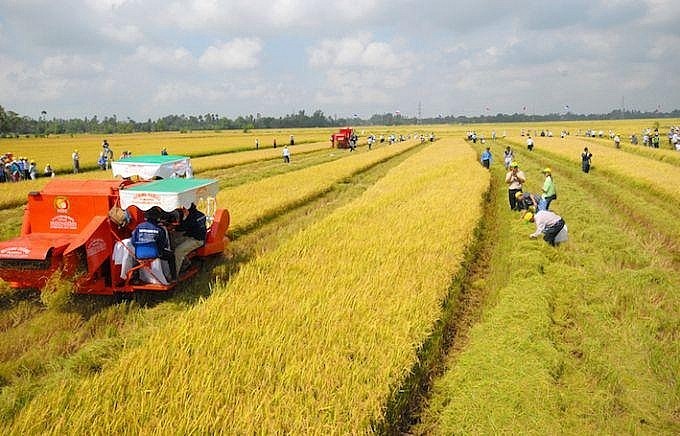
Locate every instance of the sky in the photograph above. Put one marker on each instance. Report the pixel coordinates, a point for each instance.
(150, 58)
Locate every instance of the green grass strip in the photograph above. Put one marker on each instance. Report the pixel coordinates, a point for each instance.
(581, 339)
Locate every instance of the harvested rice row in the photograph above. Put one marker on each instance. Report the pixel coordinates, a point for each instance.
(312, 338)
(581, 339)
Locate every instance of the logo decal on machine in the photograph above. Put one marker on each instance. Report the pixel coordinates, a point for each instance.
(95, 246)
(63, 222)
(61, 204)
(14, 252)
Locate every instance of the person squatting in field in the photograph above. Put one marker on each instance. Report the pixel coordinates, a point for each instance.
(526, 201)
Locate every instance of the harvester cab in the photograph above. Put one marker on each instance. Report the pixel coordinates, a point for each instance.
(83, 228)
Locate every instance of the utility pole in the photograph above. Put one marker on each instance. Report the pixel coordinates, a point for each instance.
(623, 106)
(420, 112)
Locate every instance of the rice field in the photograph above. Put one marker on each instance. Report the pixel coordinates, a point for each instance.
(380, 291)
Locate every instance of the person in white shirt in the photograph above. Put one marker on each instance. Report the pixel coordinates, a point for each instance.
(515, 178)
(550, 225)
(286, 154)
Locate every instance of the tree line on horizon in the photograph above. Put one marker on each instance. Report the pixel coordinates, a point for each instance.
(13, 124)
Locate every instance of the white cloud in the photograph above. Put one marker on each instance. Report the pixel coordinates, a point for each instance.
(126, 33)
(237, 54)
(105, 5)
(165, 58)
(357, 51)
(70, 66)
(19, 80)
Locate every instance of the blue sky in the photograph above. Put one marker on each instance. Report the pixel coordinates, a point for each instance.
(149, 58)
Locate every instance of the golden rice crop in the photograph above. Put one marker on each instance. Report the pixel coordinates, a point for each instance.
(57, 149)
(13, 194)
(313, 337)
(662, 154)
(254, 201)
(659, 175)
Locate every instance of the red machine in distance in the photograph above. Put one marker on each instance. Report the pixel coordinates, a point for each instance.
(69, 226)
(342, 138)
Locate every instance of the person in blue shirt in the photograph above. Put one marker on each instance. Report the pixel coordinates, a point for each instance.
(487, 158)
(149, 239)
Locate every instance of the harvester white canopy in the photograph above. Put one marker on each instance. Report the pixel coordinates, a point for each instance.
(169, 194)
(148, 167)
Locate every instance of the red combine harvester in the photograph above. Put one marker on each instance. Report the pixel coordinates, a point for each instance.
(83, 228)
(342, 138)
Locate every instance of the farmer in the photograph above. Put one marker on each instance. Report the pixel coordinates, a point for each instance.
(515, 178)
(76, 161)
(486, 158)
(530, 143)
(190, 234)
(508, 157)
(585, 160)
(151, 239)
(107, 154)
(286, 154)
(549, 192)
(529, 201)
(550, 225)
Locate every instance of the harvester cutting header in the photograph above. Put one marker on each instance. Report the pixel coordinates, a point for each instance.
(87, 229)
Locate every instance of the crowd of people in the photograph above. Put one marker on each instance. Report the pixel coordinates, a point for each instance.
(16, 169)
(531, 207)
